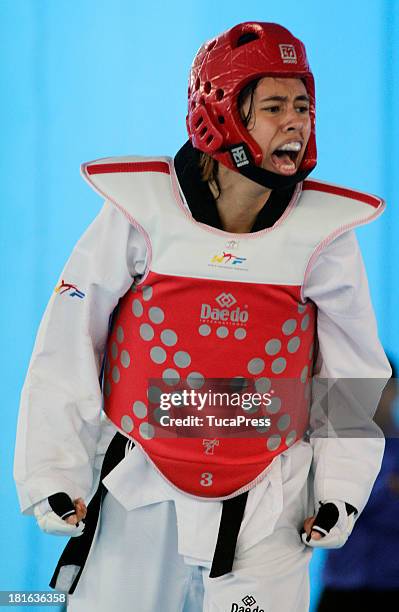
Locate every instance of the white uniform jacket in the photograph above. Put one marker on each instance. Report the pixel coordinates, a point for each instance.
(62, 433)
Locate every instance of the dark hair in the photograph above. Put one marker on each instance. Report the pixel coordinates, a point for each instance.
(247, 92)
(210, 166)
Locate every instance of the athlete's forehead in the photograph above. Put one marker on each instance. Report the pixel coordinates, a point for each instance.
(277, 87)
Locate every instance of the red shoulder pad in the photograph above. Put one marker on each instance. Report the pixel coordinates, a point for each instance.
(139, 166)
(367, 198)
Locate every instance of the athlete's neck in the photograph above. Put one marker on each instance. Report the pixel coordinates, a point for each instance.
(239, 202)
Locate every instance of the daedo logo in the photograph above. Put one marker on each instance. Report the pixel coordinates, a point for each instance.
(226, 300)
(236, 315)
(248, 602)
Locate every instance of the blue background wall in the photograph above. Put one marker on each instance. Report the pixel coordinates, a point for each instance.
(88, 79)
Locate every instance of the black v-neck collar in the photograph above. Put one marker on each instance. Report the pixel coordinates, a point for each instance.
(201, 202)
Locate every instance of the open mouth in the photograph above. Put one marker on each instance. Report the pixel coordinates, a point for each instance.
(285, 158)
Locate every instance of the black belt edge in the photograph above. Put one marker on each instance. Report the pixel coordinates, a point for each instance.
(77, 550)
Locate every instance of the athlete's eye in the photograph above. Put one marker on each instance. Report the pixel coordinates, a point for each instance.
(272, 109)
(302, 109)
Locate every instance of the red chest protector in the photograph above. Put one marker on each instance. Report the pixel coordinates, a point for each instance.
(213, 305)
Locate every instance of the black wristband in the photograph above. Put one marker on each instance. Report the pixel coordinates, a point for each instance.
(328, 515)
(62, 505)
(326, 518)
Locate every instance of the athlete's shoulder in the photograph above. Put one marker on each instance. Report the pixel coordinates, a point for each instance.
(338, 191)
(130, 178)
(126, 164)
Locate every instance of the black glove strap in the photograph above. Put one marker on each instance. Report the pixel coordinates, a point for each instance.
(61, 504)
(327, 517)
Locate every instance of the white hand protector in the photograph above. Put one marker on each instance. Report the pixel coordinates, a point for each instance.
(334, 521)
(50, 522)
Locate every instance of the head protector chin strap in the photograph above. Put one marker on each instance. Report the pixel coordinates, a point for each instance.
(241, 158)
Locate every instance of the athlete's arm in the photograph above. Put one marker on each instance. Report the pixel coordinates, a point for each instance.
(59, 422)
(346, 462)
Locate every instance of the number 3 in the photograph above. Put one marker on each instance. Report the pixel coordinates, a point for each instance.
(206, 479)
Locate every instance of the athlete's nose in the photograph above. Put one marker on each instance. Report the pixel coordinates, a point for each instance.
(293, 127)
(292, 122)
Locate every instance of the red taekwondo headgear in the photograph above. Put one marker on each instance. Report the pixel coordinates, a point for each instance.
(221, 69)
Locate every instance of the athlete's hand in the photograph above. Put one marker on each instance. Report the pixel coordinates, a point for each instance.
(331, 526)
(59, 515)
(79, 514)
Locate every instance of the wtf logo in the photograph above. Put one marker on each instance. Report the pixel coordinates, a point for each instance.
(228, 258)
(72, 290)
